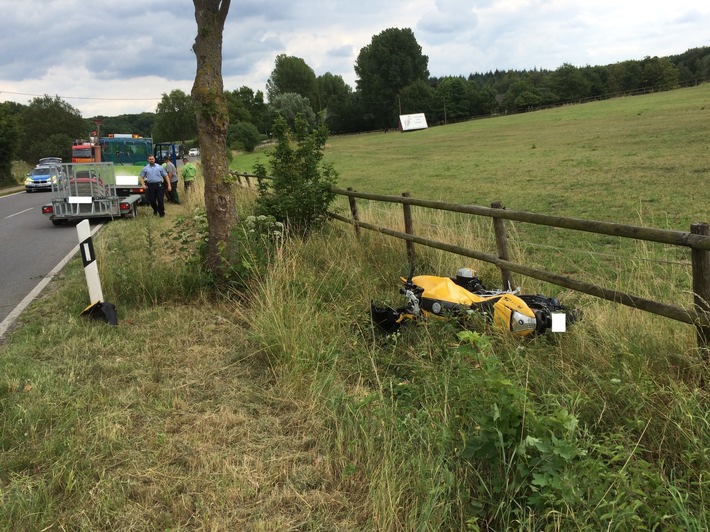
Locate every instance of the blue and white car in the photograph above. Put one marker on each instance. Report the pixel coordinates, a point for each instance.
(43, 175)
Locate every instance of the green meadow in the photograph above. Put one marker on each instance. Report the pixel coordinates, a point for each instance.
(276, 406)
(640, 160)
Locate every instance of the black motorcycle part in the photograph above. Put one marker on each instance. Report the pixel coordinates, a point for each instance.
(385, 318)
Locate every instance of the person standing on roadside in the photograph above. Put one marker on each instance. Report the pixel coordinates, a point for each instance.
(173, 177)
(188, 172)
(152, 177)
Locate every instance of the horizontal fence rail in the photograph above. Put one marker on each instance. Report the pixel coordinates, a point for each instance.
(662, 236)
(697, 239)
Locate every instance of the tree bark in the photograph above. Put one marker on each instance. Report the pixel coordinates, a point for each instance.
(212, 123)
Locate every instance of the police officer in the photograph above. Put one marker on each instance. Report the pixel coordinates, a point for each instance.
(152, 177)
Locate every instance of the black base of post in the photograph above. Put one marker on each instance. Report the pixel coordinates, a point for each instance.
(103, 312)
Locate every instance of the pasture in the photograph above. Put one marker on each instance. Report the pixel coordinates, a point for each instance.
(640, 160)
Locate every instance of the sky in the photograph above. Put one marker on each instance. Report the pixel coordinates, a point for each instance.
(112, 57)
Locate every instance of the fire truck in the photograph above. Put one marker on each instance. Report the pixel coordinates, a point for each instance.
(129, 154)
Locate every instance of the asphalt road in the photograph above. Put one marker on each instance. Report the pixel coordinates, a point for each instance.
(31, 247)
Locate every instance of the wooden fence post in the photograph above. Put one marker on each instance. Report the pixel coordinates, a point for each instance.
(353, 212)
(409, 229)
(701, 287)
(502, 247)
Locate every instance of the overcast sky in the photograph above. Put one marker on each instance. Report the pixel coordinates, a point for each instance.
(120, 56)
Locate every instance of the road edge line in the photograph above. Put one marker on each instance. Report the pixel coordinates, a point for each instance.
(37, 290)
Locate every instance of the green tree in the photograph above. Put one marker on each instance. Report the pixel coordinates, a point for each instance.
(336, 102)
(237, 108)
(598, 77)
(245, 105)
(175, 118)
(483, 99)
(391, 61)
(9, 141)
(659, 73)
(418, 97)
(50, 125)
(300, 192)
(243, 136)
(139, 124)
(625, 76)
(293, 75)
(570, 84)
(212, 125)
(521, 95)
(453, 98)
(291, 105)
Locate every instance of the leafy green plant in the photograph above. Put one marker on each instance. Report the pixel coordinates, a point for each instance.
(300, 192)
(260, 238)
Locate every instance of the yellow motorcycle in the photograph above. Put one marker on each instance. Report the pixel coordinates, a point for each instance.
(430, 295)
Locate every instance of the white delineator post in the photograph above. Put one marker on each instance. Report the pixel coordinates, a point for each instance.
(88, 258)
(98, 309)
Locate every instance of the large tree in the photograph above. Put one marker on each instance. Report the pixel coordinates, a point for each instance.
(569, 84)
(212, 125)
(418, 97)
(9, 140)
(292, 74)
(452, 97)
(335, 102)
(291, 105)
(391, 61)
(50, 125)
(175, 118)
(245, 105)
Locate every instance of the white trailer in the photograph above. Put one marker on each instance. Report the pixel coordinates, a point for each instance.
(88, 190)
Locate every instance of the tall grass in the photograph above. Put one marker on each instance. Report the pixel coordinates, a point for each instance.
(568, 431)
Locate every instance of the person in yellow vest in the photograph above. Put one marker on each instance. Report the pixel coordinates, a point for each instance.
(188, 172)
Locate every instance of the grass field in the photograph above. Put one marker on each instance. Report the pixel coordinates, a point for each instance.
(628, 160)
(277, 407)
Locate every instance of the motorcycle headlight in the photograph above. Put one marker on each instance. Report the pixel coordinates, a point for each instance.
(519, 323)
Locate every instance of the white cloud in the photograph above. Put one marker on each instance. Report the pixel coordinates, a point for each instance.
(120, 57)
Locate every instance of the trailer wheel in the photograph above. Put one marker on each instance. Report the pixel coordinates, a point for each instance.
(58, 222)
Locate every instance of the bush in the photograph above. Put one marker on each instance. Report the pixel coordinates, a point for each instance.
(299, 193)
(243, 136)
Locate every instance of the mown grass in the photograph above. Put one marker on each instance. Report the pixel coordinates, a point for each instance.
(278, 407)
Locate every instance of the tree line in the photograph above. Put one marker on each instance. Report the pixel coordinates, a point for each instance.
(392, 79)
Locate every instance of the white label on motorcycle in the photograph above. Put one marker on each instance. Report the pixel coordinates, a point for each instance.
(559, 322)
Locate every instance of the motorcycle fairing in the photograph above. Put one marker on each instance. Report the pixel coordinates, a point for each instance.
(442, 296)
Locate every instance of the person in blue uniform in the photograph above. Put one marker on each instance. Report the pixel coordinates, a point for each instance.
(155, 179)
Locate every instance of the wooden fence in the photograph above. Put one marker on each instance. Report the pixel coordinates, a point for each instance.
(697, 239)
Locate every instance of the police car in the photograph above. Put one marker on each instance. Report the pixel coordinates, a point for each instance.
(43, 175)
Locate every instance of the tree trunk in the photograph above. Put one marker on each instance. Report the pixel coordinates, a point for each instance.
(212, 123)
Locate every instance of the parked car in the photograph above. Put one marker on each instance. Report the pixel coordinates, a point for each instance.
(41, 177)
(194, 152)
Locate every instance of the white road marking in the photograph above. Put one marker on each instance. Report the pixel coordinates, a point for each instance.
(30, 209)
